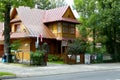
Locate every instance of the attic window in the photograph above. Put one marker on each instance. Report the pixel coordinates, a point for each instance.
(24, 30)
(68, 16)
(17, 27)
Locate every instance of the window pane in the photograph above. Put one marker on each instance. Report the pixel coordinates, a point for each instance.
(65, 28)
(59, 27)
(72, 28)
(17, 28)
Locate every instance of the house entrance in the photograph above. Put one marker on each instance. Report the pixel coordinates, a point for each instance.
(1, 50)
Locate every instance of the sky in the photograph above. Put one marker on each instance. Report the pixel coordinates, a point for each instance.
(70, 2)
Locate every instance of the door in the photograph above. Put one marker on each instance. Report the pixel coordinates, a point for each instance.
(1, 50)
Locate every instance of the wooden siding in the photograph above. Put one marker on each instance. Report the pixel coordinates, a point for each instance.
(54, 28)
(69, 14)
(22, 27)
(24, 48)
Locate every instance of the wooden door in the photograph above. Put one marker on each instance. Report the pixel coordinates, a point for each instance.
(1, 50)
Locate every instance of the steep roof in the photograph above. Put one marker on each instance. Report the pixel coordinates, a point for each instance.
(56, 14)
(33, 21)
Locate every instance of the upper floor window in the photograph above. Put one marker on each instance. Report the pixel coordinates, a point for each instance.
(50, 27)
(59, 27)
(72, 28)
(65, 28)
(17, 28)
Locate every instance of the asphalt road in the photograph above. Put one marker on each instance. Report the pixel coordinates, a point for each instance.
(94, 75)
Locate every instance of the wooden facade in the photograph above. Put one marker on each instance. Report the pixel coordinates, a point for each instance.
(63, 30)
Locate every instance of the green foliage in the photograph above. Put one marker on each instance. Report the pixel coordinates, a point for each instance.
(57, 3)
(15, 45)
(77, 47)
(5, 8)
(43, 4)
(49, 4)
(45, 47)
(101, 19)
(6, 73)
(13, 3)
(52, 58)
(37, 57)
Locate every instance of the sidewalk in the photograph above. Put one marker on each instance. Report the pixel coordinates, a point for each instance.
(51, 69)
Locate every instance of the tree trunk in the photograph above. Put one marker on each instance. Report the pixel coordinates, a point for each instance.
(115, 44)
(94, 40)
(7, 32)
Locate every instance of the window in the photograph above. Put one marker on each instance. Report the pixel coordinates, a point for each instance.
(17, 28)
(59, 27)
(51, 27)
(65, 28)
(72, 28)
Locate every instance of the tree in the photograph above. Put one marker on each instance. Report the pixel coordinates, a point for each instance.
(5, 7)
(102, 17)
(57, 3)
(49, 4)
(110, 23)
(88, 17)
(43, 4)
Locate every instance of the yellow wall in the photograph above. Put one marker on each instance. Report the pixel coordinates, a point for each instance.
(54, 28)
(24, 48)
(22, 27)
(69, 14)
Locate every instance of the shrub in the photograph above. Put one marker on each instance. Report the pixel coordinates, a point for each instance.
(77, 47)
(52, 58)
(37, 57)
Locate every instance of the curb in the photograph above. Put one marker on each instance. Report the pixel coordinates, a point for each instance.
(7, 77)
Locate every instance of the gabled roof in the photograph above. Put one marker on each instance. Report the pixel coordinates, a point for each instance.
(34, 19)
(56, 14)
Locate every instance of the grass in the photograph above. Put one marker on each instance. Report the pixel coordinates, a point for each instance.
(6, 74)
(57, 62)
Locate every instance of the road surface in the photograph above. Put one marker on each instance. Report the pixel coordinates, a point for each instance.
(94, 75)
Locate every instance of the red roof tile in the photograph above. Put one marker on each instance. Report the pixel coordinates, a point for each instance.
(1, 26)
(33, 20)
(15, 35)
(15, 20)
(56, 14)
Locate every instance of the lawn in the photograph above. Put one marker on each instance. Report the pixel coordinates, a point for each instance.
(6, 74)
(57, 62)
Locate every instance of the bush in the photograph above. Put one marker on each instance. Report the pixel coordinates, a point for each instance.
(52, 58)
(37, 57)
(77, 47)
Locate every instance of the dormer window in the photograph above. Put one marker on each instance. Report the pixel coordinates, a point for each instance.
(17, 28)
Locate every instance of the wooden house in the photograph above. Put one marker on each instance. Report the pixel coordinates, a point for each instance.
(55, 26)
